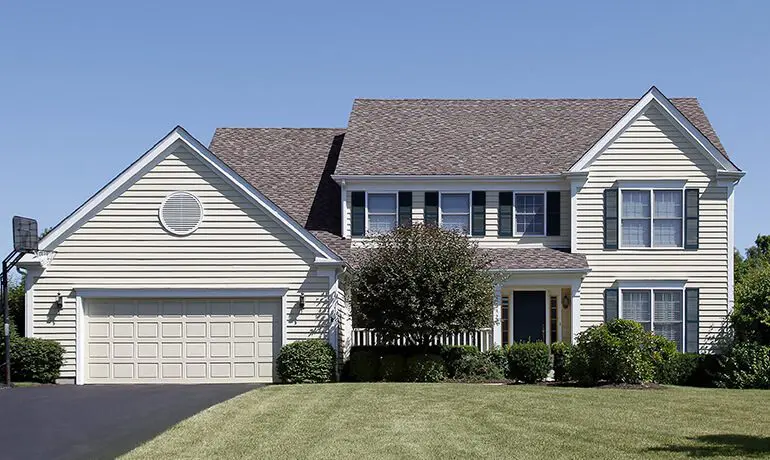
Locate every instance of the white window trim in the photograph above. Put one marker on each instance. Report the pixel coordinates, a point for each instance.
(545, 213)
(470, 209)
(662, 287)
(367, 232)
(651, 190)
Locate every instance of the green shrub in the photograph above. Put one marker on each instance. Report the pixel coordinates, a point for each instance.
(679, 369)
(529, 362)
(364, 366)
(393, 368)
(561, 352)
(478, 368)
(452, 354)
(425, 368)
(307, 361)
(499, 357)
(33, 359)
(745, 365)
(619, 351)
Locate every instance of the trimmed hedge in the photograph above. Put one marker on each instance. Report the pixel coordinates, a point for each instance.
(478, 368)
(452, 354)
(33, 359)
(529, 362)
(679, 369)
(425, 368)
(364, 366)
(307, 361)
(561, 352)
(393, 368)
(499, 357)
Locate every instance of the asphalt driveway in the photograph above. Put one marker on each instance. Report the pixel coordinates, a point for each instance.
(97, 421)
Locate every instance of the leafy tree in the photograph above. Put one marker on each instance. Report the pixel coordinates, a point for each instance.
(16, 305)
(420, 282)
(751, 317)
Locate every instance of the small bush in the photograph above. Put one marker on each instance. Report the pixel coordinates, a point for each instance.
(425, 368)
(561, 352)
(452, 354)
(499, 357)
(679, 369)
(364, 366)
(619, 351)
(478, 368)
(745, 365)
(33, 359)
(529, 362)
(393, 368)
(307, 361)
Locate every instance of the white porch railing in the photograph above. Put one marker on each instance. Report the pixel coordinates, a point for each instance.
(481, 339)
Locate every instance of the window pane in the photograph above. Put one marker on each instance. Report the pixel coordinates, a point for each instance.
(669, 311)
(530, 224)
(456, 222)
(668, 203)
(455, 203)
(382, 203)
(636, 203)
(636, 307)
(530, 203)
(636, 232)
(667, 232)
(381, 224)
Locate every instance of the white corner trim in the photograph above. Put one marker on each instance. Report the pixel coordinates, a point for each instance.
(730, 248)
(29, 301)
(80, 341)
(176, 137)
(344, 231)
(681, 122)
(168, 293)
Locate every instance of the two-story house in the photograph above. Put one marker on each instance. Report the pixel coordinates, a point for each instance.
(196, 264)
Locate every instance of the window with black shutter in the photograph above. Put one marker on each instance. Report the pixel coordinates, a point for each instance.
(553, 220)
(404, 209)
(478, 220)
(505, 214)
(431, 208)
(611, 218)
(358, 213)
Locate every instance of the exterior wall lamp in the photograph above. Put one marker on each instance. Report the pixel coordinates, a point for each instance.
(301, 301)
(59, 303)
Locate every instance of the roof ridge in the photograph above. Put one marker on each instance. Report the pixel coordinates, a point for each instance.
(279, 128)
(482, 99)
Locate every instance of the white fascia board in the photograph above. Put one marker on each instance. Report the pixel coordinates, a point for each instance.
(404, 178)
(541, 271)
(101, 292)
(153, 156)
(680, 121)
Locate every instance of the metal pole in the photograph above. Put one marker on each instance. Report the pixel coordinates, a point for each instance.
(6, 325)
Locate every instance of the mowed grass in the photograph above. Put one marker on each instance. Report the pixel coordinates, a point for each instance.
(447, 421)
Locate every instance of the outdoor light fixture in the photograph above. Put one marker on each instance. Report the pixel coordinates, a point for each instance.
(59, 301)
(301, 301)
(565, 301)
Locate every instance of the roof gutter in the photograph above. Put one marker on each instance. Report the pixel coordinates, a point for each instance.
(540, 271)
(340, 178)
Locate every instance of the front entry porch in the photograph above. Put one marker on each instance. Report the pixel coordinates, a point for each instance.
(537, 309)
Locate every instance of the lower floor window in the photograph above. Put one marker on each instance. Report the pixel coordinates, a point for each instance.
(658, 310)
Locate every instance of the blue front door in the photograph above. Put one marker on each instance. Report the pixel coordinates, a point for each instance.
(529, 316)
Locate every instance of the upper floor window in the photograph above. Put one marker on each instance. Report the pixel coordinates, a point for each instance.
(456, 212)
(651, 218)
(530, 214)
(383, 212)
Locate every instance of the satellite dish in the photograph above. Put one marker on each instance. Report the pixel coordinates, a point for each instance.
(25, 236)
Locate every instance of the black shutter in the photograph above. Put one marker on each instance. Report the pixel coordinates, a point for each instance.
(691, 320)
(431, 208)
(505, 214)
(610, 304)
(404, 209)
(553, 220)
(691, 217)
(479, 213)
(358, 214)
(611, 218)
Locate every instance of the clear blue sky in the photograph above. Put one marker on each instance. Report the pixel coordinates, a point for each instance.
(87, 87)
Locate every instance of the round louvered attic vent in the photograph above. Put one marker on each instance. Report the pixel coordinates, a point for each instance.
(181, 213)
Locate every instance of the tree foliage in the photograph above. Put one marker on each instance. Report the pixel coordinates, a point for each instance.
(751, 318)
(420, 282)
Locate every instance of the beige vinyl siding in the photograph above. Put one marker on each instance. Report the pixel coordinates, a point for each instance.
(492, 239)
(237, 246)
(653, 149)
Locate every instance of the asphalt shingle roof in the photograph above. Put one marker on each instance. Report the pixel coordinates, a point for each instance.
(483, 137)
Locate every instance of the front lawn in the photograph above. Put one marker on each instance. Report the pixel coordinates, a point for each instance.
(470, 421)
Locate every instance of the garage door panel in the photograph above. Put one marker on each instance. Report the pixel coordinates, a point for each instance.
(181, 340)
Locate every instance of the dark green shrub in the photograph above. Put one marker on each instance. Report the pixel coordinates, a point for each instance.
(499, 357)
(561, 352)
(679, 369)
(478, 368)
(364, 366)
(393, 368)
(452, 354)
(529, 362)
(307, 361)
(619, 351)
(745, 365)
(33, 359)
(425, 368)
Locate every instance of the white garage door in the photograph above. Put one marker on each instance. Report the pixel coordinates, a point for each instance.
(181, 340)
